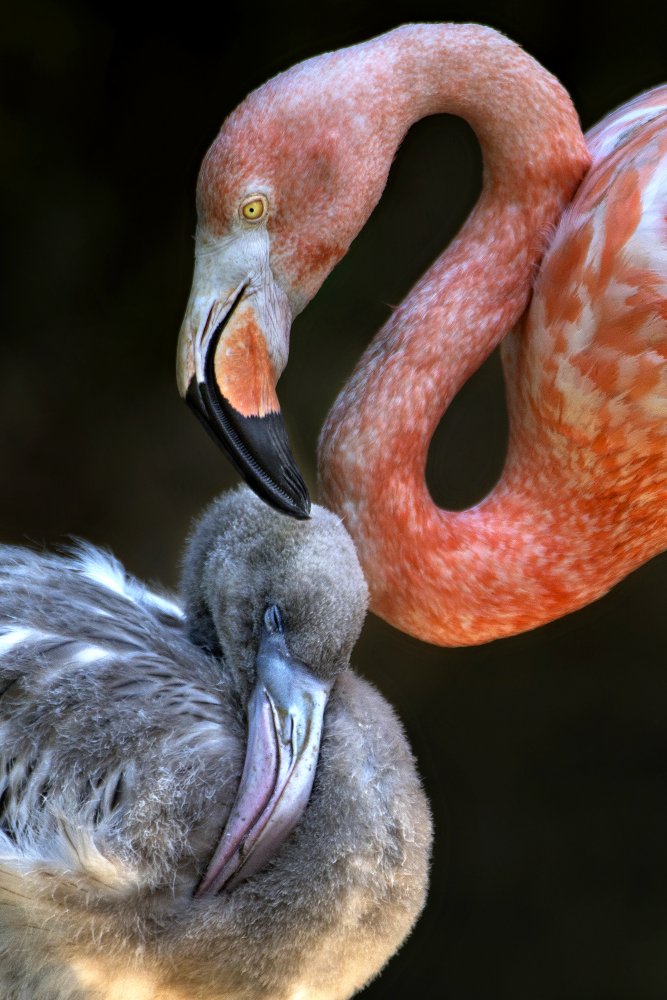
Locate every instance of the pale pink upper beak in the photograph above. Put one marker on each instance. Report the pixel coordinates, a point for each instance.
(285, 716)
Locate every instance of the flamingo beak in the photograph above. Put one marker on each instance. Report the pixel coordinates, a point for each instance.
(226, 375)
(285, 716)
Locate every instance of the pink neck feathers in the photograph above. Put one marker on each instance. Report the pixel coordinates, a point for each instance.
(455, 578)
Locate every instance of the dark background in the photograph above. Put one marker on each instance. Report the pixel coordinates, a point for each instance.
(544, 755)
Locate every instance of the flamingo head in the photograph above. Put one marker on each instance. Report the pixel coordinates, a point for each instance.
(290, 180)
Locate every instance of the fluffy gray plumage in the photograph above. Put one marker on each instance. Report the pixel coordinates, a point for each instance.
(122, 736)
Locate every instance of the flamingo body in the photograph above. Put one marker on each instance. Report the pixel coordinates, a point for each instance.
(582, 499)
(574, 279)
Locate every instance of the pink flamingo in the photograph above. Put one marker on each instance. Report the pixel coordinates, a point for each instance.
(285, 187)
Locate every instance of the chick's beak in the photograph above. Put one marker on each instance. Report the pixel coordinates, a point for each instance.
(226, 375)
(285, 716)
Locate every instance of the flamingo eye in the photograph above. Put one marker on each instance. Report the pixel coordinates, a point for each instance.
(255, 208)
(273, 620)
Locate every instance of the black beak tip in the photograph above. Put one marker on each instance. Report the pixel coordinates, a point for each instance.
(301, 511)
(258, 447)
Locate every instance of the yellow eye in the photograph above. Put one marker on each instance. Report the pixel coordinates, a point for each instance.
(253, 209)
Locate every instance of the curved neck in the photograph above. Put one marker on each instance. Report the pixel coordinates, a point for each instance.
(421, 562)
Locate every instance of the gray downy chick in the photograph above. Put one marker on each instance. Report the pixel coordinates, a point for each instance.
(200, 799)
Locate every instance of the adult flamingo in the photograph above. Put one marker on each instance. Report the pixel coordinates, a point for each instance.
(290, 180)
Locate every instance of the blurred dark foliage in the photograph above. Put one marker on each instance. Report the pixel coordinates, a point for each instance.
(545, 755)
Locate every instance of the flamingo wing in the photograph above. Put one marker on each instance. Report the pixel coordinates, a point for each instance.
(589, 365)
(102, 694)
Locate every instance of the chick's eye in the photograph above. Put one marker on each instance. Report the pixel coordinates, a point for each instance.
(253, 209)
(273, 620)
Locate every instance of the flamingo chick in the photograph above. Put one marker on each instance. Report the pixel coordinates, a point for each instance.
(124, 720)
(293, 175)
